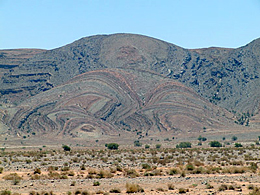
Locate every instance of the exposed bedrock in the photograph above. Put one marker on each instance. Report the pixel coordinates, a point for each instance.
(109, 101)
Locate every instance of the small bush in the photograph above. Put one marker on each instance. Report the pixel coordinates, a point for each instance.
(73, 183)
(250, 187)
(238, 145)
(160, 189)
(256, 191)
(184, 145)
(190, 167)
(170, 186)
(112, 146)
(183, 191)
(215, 144)
(209, 186)
(12, 176)
(131, 173)
(66, 148)
(146, 166)
(37, 171)
(85, 193)
(253, 166)
(1, 170)
(96, 183)
(234, 138)
(77, 192)
(200, 138)
(223, 187)
(5, 192)
(104, 174)
(115, 190)
(147, 146)
(173, 171)
(183, 174)
(137, 143)
(158, 146)
(133, 188)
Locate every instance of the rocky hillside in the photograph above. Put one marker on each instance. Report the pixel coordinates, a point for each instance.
(111, 101)
(228, 78)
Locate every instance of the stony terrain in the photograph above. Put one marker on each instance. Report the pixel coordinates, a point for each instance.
(200, 170)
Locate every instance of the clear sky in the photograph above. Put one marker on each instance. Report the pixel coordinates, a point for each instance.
(49, 24)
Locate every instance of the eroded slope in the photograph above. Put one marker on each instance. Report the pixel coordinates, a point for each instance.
(105, 102)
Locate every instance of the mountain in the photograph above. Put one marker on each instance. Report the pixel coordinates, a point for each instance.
(110, 101)
(228, 78)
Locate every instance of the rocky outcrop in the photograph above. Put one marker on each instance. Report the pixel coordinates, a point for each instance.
(109, 101)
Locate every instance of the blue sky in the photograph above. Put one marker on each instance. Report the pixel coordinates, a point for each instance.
(49, 24)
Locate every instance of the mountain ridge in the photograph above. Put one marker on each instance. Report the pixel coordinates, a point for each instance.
(226, 77)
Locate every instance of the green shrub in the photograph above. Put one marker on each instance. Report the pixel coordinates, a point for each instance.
(200, 138)
(66, 148)
(158, 146)
(237, 145)
(184, 145)
(137, 143)
(215, 144)
(1, 169)
(190, 167)
(5, 192)
(147, 146)
(112, 146)
(96, 183)
(146, 166)
(234, 138)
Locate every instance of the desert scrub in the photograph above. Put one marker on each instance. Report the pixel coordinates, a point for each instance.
(96, 183)
(190, 167)
(133, 188)
(115, 190)
(37, 171)
(5, 192)
(131, 173)
(173, 171)
(85, 193)
(14, 177)
(1, 170)
(183, 190)
(104, 174)
(170, 186)
(222, 187)
(146, 167)
(199, 170)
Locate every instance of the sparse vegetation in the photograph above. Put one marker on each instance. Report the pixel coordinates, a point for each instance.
(131, 163)
(184, 145)
(66, 148)
(215, 144)
(112, 146)
(133, 188)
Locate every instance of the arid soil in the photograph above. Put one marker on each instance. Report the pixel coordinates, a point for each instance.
(45, 170)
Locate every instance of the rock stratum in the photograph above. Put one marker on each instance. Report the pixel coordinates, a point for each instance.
(107, 102)
(107, 84)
